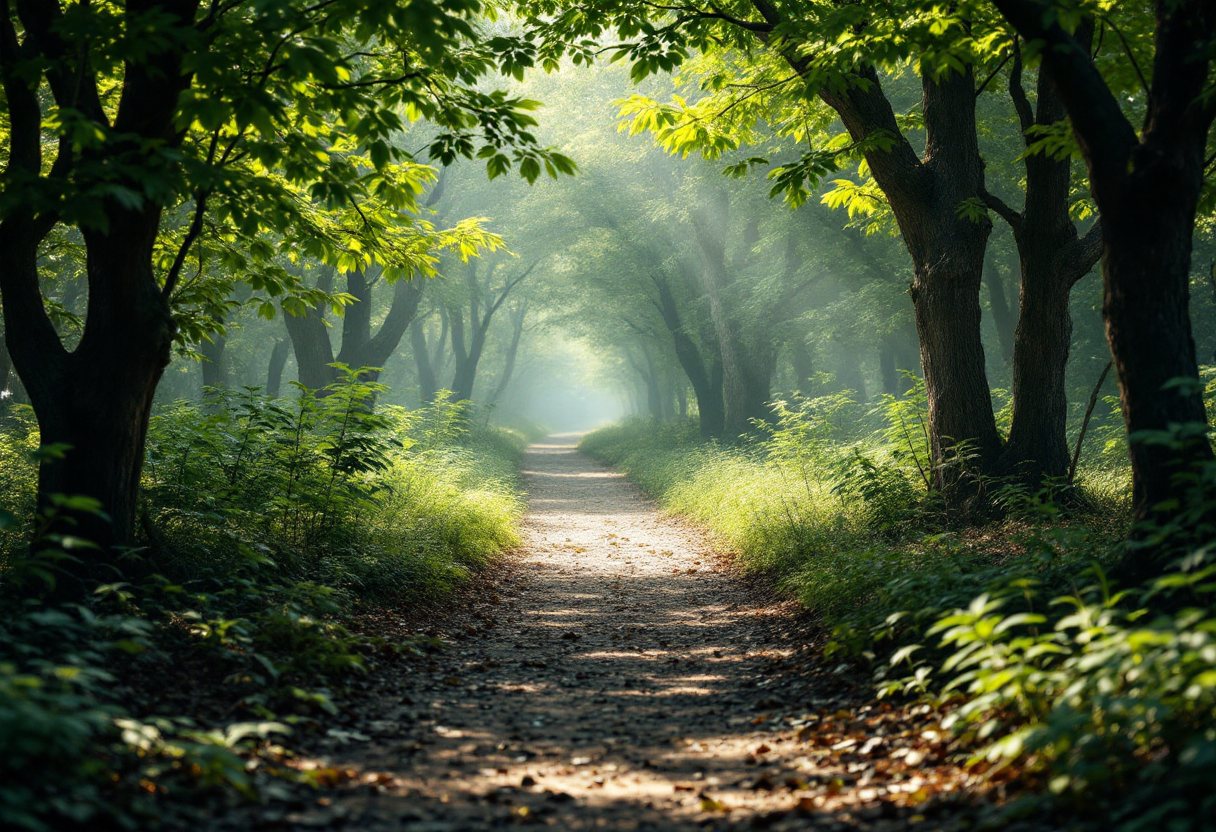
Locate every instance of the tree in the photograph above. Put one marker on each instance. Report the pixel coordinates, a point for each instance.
(361, 347)
(1147, 188)
(482, 299)
(1052, 258)
(836, 52)
(167, 121)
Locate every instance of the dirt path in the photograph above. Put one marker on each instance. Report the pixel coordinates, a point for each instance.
(626, 680)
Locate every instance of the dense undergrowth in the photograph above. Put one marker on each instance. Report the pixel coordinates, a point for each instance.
(267, 523)
(1098, 698)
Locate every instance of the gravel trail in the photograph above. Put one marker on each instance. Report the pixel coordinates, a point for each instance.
(620, 677)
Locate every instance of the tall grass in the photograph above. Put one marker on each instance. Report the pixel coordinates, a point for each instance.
(265, 524)
(1099, 699)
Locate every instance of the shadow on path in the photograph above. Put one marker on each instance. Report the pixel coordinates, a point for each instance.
(627, 681)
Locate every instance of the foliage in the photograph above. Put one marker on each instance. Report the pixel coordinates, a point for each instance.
(1101, 699)
(1108, 693)
(268, 523)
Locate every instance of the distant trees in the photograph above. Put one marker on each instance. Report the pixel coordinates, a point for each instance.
(766, 62)
(160, 130)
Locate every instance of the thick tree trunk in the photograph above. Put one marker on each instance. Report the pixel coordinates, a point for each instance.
(759, 365)
(1052, 260)
(360, 348)
(274, 372)
(310, 341)
(952, 354)
(1146, 184)
(95, 402)
(1148, 222)
(1038, 443)
(947, 251)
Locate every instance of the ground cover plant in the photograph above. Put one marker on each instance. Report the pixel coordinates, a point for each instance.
(1089, 689)
(269, 523)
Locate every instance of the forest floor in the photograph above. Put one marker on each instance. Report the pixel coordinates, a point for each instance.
(618, 674)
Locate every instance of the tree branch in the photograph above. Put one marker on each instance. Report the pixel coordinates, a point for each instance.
(1106, 137)
(1021, 103)
(1004, 210)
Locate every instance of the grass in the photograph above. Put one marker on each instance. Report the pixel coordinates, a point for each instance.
(1097, 700)
(267, 526)
(855, 539)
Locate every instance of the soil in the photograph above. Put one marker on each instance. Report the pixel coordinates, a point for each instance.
(620, 674)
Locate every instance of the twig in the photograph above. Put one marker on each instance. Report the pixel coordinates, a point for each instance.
(1089, 411)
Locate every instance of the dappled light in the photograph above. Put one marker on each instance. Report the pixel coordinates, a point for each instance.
(623, 685)
(607, 414)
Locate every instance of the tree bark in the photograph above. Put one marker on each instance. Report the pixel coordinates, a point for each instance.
(95, 401)
(309, 336)
(947, 252)
(278, 361)
(1147, 189)
(1052, 259)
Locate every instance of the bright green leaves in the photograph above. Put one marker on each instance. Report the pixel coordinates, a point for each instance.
(679, 128)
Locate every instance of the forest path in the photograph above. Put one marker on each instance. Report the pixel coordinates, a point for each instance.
(627, 679)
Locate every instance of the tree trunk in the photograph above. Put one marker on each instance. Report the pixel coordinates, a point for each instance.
(310, 340)
(947, 251)
(214, 367)
(709, 398)
(278, 361)
(481, 315)
(759, 364)
(1146, 184)
(1148, 220)
(427, 385)
(94, 402)
(1003, 317)
(1052, 259)
(360, 348)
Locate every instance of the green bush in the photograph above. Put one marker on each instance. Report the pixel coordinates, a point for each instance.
(267, 523)
(1104, 696)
